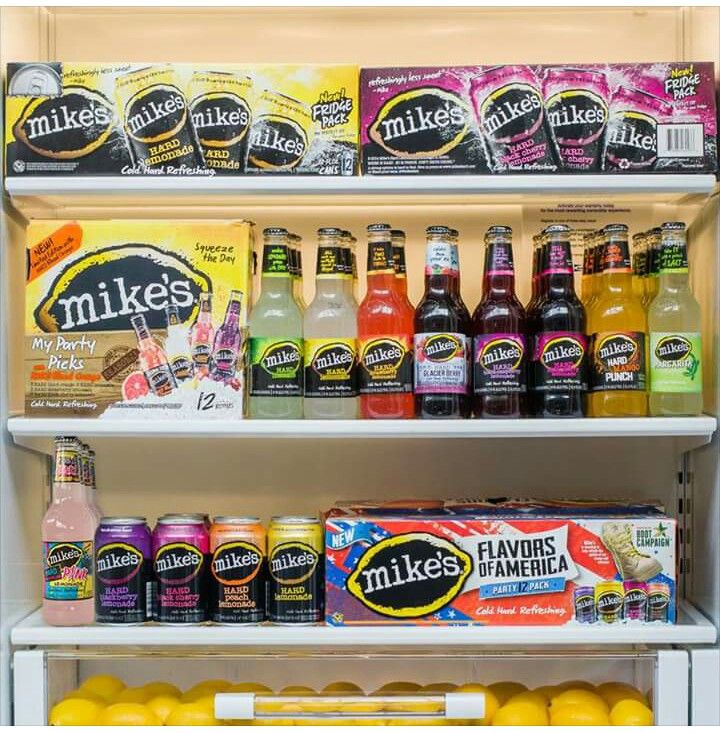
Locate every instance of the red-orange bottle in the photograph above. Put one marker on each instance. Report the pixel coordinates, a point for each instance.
(385, 336)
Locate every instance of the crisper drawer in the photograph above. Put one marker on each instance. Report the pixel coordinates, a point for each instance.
(217, 686)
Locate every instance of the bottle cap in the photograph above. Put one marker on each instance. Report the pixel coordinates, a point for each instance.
(275, 232)
(498, 229)
(616, 229)
(435, 229)
(329, 232)
(378, 228)
(673, 226)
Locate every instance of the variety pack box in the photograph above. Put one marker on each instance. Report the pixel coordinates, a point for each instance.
(180, 119)
(584, 118)
(499, 563)
(136, 318)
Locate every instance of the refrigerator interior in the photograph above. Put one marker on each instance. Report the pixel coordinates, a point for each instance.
(271, 476)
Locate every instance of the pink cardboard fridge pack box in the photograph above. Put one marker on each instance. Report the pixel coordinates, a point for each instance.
(653, 117)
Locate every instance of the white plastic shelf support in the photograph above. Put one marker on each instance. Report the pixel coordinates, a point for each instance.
(671, 691)
(692, 628)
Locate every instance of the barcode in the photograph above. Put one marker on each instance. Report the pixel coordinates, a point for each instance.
(680, 141)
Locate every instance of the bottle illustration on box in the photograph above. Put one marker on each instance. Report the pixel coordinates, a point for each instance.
(152, 358)
(202, 335)
(228, 340)
(176, 346)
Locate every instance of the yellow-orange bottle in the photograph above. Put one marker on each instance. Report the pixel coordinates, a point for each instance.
(588, 262)
(617, 323)
(652, 240)
(638, 265)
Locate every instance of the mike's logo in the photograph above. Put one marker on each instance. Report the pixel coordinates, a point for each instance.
(293, 562)
(421, 123)
(409, 575)
(117, 563)
(236, 563)
(178, 563)
(512, 113)
(673, 349)
(443, 347)
(276, 143)
(156, 114)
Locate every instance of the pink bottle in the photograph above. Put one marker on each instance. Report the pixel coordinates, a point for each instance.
(202, 335)
(68, 531)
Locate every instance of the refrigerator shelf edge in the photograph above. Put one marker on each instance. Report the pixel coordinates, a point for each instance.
(38, 433)
(692, 628)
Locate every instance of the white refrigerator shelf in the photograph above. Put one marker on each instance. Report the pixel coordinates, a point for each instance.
(38, 433)
(692, 628)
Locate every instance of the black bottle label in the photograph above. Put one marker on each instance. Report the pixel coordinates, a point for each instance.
(618, 361)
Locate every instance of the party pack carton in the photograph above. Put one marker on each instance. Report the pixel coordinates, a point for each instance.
(519, 564)
(136, 319)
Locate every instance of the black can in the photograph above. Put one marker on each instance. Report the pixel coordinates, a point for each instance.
(295, 590)
(123, 571)
(658, 601)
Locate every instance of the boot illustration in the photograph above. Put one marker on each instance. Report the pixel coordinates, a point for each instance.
(632, 564)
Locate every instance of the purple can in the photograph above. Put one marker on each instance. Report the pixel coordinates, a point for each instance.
(510, 111)
(181, 547)
(123, 571)
(576, 103)
(584, 600)
(635, 601)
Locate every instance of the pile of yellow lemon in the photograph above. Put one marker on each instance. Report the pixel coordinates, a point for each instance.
(105, 700)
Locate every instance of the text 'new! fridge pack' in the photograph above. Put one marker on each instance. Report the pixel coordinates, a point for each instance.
(136, 318)
(512, 564)
(578, 119)
(178, 119)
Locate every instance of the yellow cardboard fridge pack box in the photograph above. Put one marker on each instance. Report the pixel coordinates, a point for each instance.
(136, 318)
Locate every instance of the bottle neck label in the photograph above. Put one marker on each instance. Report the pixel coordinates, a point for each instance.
(499, 364)
(441, 363)
(557, 259)
(676, 362)
(616, 257)
(276, 261)
(380, 259)
(399, 261)
(276, 367)
(618, 361)
(673, 257)
(439, 259)
(385, 365)
(330, 263)
(499, 259)
(67, 466)
(330, 367)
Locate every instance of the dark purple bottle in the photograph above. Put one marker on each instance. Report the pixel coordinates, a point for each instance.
(499, 335)
(557, 323)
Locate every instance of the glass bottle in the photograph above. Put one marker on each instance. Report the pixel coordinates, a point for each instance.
(674, 321)
(275, 331)
(499, 335)
(330, 329)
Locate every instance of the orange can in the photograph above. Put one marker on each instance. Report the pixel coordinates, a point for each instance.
(238, 546)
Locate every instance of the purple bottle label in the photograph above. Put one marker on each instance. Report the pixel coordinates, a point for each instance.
(559, 361)
(499, 363)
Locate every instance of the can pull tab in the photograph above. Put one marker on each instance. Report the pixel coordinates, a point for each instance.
(449, 706)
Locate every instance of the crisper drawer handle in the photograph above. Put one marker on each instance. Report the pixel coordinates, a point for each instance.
(248, 706)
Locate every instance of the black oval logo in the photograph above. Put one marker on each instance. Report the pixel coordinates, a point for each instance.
(631, 140)
(577, 116)
(276, 143)
(67, 127)
(117, 563)
(512, 113)
(292, 562)
(236, 563)
(64, 555)
(561, 353)
(501, 355)
(421, 123)
(673, 348)
(221, 119)
(281, 359)
(103, 289)
(616, 350)
(177, 563)
(155, 114)
(409, 575)
(382, 355)
(635, 598)
(336, 359)
(609, 602)
(442, 347)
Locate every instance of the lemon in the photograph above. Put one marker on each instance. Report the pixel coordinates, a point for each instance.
(503, 691)
(613, 692)
(255, 687)
(578, 714)
(162, 688)
(439, 687)
(104, 685)
(205, 687)
(491, 702)
(421, 705)
(276, 721)
(191, 713)
(341, 688)
(296, 691)
(397, 688)
(533, 696)
(128, 713)
(578, 685)
(162, 705)
(547, 691)
(366, 705)
(75, 712)
(81, 694)
(631, 712)
(132, 694)
(574, 696)
(520, 713)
